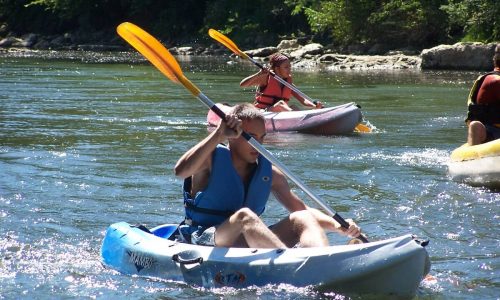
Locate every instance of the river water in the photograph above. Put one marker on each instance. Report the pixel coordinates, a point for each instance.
(84, 145)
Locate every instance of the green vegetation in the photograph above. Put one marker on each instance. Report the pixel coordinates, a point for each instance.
(393, 24)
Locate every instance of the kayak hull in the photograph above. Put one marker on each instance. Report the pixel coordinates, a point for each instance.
(477, 165)
(394, 266)
(336, 120)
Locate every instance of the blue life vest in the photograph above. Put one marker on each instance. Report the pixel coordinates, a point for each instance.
(225, 192)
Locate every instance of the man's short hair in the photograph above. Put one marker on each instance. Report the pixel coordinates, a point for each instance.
(247, 111)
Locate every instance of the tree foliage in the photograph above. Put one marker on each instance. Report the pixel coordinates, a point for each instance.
(474, 20)
(394, 23)
(341, 21)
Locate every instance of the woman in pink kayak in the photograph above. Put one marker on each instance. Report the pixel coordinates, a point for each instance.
(272, 95)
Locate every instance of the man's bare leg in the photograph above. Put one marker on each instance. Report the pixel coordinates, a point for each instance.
(301, 227)
(247, 224)
(476, 133)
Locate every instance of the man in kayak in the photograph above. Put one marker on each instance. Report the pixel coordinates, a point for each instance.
(483, 115)
(226, 188)
(272, 95)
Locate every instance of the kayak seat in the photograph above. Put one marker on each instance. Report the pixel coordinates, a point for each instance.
(165, 231)
(141, 227)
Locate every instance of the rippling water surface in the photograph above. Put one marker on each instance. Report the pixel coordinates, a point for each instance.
(85, 145)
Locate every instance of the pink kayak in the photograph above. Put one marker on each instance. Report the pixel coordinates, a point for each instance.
(340, 119)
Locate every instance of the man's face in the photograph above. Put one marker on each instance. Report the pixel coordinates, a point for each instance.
(255, 128)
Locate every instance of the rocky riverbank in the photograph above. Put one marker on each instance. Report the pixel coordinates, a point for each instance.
(306, 57)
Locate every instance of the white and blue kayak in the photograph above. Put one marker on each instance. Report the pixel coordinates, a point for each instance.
(394, 266)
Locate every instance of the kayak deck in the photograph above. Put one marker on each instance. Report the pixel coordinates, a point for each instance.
(393, 266)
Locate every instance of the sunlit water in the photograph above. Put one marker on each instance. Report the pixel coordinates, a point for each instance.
(86, 145)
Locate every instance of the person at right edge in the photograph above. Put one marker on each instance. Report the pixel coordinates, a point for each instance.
(483, 116)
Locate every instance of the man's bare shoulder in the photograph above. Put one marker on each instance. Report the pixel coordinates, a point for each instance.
(276, 171)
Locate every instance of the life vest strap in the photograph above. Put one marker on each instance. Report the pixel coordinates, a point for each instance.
(259, 100)
(189, 205)
(489, 114)
(223, 213)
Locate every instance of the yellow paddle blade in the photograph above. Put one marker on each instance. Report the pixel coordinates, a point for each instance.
(156, 53)
(152, 49)
(362, 128)
(224, 40)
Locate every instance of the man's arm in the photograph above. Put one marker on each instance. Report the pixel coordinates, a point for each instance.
(282, 192)
(329, 223)
(292, 202)
(199, 157)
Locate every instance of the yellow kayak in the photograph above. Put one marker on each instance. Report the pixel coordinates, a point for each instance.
(477, 165)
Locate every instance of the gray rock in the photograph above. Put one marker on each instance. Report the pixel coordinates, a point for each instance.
(288, 44)
(460, 56)
(310, 49)
(331, 58)
(8, 42)
(333, 62)
(28, 40)
(306, 64)
(185, 50)
(262, 52)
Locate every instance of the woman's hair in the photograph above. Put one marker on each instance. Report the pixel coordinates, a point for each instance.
(247, 111)
(277, 59)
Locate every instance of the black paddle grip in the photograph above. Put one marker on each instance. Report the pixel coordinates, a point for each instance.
(222, 115)
(218, 112)
(344, 224)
